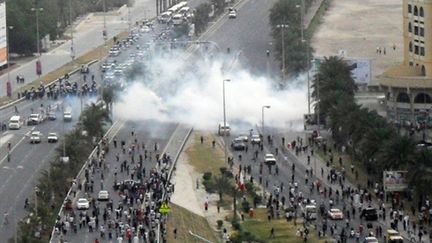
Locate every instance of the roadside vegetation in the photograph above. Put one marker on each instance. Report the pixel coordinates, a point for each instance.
(366, 136)
(184, 221)
(203, 11)
(216, 178)
(289, 14)
(54, 182)
(53, 19)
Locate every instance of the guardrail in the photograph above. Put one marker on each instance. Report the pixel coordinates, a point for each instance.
(47, 85)
(77, 178)
(176, 157)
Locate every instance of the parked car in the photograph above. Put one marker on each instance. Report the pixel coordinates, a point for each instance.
(35, 137)
(369, 213)
(83, 204)
(255, 139)
(335, 214)
(52, 137)
(232, 14)
(238, 144)
(85, 68)
(103, 195)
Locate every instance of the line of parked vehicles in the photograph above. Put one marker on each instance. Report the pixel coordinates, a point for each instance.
(35, 136)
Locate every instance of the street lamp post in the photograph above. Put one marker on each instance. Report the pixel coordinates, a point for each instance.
(38, 64)
(304, 41)
(72, 51)
(9, 83)
(262, 114)
(283, 27)
(104, 32)
(224, 118)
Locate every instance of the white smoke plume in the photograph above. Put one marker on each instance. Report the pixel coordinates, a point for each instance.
(190, 92)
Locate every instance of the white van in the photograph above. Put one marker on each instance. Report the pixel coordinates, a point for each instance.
(15, 122)
(165, 17)
(185, 10)
(224, 130)
(177, 19)
(310, 212)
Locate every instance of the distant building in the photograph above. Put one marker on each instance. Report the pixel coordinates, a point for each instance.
(408, 87)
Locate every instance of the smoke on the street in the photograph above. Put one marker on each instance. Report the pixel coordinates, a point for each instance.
(173, 89)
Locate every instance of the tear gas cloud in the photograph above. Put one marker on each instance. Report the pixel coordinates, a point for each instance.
(190, 92)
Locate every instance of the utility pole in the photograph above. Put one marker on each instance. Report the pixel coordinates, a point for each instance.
(283, 27)
(224, 119)
(104, 32)
(72, 51)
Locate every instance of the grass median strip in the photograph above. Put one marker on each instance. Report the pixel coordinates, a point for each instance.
(284, 231)
(203, 157)
(185, 221)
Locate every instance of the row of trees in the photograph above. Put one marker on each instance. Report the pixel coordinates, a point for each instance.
(53, 19)
(286, 24)
(203, 11)
(368, 137)
(55, 182)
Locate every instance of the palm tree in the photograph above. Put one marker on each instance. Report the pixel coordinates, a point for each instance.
(397, 153)
(420, 173)
(93, 119)
(222, 185)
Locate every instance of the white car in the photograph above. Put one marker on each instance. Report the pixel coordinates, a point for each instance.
(370, 239)
(244, 138)
(270, 159)
(67, 116)
(52, 137)
(232, 14)
(82, 204)
(103, 195)
(335, 213)
(35, 137)
(255, 138)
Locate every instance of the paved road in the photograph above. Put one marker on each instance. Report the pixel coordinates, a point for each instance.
(87, 36)
(249, 34)
(19, 176)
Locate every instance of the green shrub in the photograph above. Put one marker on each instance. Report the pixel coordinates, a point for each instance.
(207, 176)
(219, 224)
(245, 206)
(236, 224)
(209, 186)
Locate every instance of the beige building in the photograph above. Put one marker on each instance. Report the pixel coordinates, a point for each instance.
(408, 87)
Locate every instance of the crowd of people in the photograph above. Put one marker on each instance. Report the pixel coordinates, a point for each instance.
(298, 184)
(139, 177)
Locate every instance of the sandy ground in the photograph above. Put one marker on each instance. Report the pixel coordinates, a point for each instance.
(188, 196)
(359, 27)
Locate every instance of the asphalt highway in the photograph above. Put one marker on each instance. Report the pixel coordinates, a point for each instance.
(18, 176)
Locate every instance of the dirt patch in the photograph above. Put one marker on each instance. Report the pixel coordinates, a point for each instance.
(359, 27)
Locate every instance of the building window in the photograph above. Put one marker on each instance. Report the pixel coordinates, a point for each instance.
(415, 11)
(422, 51)
(403, 98)
(423, 70)
(409, 8)
(411, 64)
(416, 30)
(421, 31)
(421, 12)
(409, 27)
(416, 49)
(422, 98)
(410, 46)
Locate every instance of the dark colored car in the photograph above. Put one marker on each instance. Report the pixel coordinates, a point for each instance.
(369, 213)
(238, 144)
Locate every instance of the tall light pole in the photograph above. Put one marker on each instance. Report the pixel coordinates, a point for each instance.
(104, 32)
(283, 27)
(305, 42)
(72, 51)
(8, 84)
(224, 118)
(262, 114)
(38, 63)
